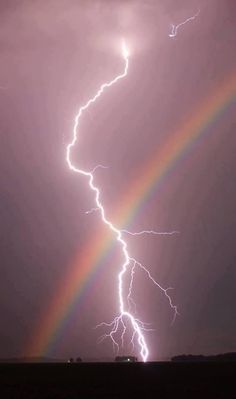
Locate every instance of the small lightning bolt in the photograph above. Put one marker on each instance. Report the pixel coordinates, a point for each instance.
(174, 28)
(153, 232)
(125, 317)
(97, 167)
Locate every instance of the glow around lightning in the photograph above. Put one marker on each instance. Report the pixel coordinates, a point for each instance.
(174, 28)
(126, 316)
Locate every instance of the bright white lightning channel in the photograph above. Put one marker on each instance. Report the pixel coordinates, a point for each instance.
(174, 28)
(125, 317)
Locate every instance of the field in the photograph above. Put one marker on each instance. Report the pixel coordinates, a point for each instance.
(118, 380)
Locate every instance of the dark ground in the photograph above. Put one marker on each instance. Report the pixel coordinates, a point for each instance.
(118, 380)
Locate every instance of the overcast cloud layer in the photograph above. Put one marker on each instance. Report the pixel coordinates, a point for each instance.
(54, 56)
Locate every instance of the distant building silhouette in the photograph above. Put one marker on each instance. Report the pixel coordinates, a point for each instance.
(72, 360)
(126, 359)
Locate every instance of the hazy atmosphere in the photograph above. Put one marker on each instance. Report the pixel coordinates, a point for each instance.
(166, 133)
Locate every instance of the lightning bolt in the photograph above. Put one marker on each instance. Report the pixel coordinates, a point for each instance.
(125, 318)
(97, 167)
(153, 232)
(174, 28)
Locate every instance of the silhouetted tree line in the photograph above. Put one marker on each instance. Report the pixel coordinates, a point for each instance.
(223, 357)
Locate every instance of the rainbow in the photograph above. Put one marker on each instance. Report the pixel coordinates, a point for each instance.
(86, 266)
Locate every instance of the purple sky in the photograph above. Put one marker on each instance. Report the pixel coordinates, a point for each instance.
(54, 55)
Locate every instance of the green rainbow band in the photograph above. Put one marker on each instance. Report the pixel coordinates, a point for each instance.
(87, 264)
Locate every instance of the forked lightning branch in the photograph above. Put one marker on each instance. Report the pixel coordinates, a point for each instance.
(125, 318)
